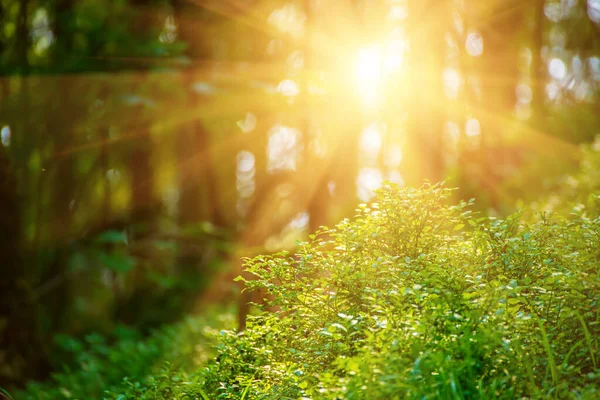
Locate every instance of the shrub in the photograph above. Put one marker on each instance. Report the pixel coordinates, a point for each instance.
(418, 298)
(412, 298)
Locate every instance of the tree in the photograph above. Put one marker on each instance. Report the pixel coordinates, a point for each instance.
(22, 351)
(423, 147)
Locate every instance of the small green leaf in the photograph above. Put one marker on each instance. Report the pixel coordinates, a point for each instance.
(339, 326)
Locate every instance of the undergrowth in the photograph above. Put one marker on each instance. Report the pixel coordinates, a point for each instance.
(132, 364)
(413, 298)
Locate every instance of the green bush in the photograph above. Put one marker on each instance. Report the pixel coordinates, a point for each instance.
(558, 186)
(416, 298)
(581, 189)
(131, 363)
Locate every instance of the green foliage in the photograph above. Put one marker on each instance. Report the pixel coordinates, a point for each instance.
(129, 276)
(580, 190)
(132, 362)
(417, 298)
(110, 107)
(413, 298)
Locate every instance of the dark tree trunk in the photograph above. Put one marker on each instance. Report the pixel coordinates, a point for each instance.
(62, 203)
(198, 200)
(499, 76)
(141, 213)
(23, 355)
(140, 168)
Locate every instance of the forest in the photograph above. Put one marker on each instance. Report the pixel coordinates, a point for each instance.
(299, 199)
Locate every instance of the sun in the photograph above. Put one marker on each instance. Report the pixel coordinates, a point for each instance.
(369, 75)
(373, 68)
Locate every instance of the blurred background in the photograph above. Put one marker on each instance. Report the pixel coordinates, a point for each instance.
(147, 145)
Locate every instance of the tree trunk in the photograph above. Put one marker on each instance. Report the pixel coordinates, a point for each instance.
(22, 352)
(499, 76)
(538, 76)
(198, 200)
(318, 207)
(423, 147)
(62, 203)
